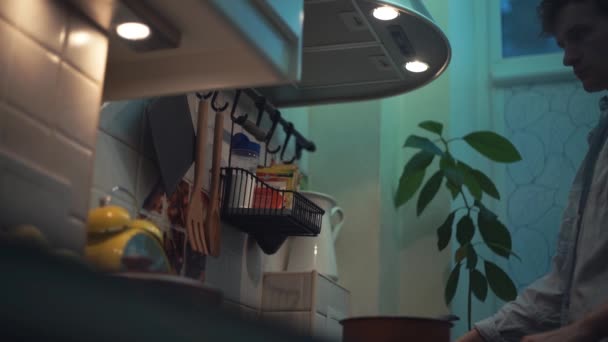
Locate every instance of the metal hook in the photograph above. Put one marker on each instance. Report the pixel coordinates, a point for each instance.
(275, 117)
(289, 131)
(260, 104)
(215, 108)
(203, 96)
(296, 156)
(241, 118)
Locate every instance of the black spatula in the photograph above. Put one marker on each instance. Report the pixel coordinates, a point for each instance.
(172, 132)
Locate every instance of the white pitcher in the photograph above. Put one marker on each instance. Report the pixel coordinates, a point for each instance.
(318, 253)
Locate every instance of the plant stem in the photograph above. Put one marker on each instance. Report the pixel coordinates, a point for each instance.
(453, 139)
(445, 143)
(464, 198)
(469, 306)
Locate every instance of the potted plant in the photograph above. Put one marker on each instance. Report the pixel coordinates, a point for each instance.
(471, 185)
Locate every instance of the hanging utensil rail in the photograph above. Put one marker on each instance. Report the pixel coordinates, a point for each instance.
(265, 136)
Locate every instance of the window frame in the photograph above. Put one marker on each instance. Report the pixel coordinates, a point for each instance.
(512, 71)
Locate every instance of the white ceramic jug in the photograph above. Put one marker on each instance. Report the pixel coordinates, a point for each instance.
(318, 253)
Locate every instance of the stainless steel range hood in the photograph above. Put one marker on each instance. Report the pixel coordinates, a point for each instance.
(349, 55)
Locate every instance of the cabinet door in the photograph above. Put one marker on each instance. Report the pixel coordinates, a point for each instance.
(273, 26)
(290, 13)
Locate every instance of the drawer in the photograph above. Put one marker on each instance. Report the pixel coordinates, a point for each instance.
(304, 291)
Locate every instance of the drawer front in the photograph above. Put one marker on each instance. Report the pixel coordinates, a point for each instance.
(331, 299)
(287, 292)
(304, 291)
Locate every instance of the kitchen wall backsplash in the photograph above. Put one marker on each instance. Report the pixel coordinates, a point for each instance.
(125, 157)
(52, 63)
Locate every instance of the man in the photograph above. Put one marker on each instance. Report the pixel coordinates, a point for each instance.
(571, 302)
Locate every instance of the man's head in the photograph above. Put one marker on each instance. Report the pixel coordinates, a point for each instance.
(581, 29)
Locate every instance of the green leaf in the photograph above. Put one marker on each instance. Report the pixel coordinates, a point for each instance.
(465, 230)
(412, 177)
(493, 146)
(479, 285)
(504, 249)
(447, 161)
(471, 258)
(494, 234)
(444, 232)
(461, 253)
(486, 183)
(483, 210)
(454, 189)
(419, 161)
(432, 126)
(422, 143)
(450, 287)
(469, 180)
(451, 171)
(447, 164)
(428, 192)
(408, 185)
(499, 282)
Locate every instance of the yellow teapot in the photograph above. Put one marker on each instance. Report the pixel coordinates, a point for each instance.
(117, 243)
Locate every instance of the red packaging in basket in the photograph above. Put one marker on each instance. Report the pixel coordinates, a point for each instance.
(267, 198)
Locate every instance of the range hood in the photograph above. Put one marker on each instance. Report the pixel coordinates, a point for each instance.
(349, 55)
(340, 52)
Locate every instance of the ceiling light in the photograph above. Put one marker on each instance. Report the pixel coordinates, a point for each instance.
(385, 13)
(79, 38)
(416, 66)
(133, 31)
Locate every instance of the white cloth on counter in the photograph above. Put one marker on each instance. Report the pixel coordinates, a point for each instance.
(578, 281)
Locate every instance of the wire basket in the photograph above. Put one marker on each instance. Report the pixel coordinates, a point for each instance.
(255, 207)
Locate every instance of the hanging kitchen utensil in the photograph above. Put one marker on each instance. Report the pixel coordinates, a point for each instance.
(213, 222)
(194, 216)
(170, 126)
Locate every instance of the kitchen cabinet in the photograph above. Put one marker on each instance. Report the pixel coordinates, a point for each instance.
(294, 53)
(307, 302)
(219, 44)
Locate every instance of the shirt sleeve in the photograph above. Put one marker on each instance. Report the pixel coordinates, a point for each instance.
(538, 307)
(535, 310)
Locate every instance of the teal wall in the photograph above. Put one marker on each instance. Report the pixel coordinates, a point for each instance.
(387, 258)
(346, 166)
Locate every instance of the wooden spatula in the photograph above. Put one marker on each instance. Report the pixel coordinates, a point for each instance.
(194, 216)
(213, 222)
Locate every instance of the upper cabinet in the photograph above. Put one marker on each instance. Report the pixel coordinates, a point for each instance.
(293, 52)
(199, 44)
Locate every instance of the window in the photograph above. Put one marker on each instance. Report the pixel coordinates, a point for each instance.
(521, 30)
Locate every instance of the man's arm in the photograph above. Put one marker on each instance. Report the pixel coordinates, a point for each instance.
(536, 309)
(471, 336)
(591, 328)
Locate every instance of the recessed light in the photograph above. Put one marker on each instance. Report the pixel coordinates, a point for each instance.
(416, 66)
(133, 31)
(79, 38)
(385, 13)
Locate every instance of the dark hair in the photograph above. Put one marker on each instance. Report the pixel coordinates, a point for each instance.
(549, 9)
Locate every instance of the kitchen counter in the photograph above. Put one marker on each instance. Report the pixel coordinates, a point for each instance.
(46, 298)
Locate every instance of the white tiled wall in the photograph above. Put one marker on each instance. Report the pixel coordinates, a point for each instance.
(52, 63)
(125, 157)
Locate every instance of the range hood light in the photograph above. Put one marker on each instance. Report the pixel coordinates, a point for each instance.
(133, 31)
(416, 66)
(385, 13)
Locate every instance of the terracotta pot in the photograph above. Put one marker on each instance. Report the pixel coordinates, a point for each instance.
(397, 328)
